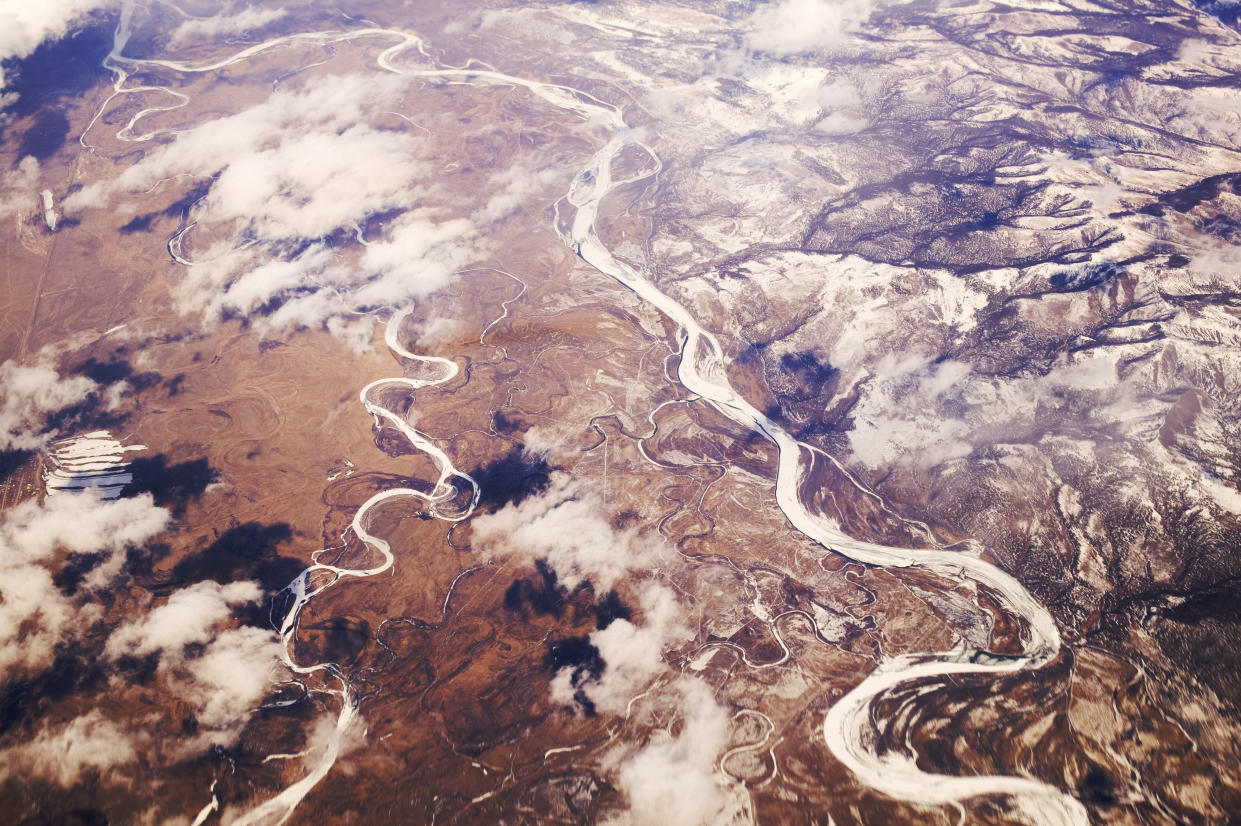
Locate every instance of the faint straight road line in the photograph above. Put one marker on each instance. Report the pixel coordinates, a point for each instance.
(38, 295)
(75, 175)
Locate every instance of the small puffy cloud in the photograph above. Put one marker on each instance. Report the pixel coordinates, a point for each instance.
(673, 778)
(31, 394)
(35, 615)
(1098, 372)
(1212, 269)
(917, 413)
(793, 27)
(1219, 56)
(633, 653)
(222, 678)
(65, 753)
(197, 29)
(1192, 51)
(34, 618)
(804, 95)
(19, 187)
(840, 104)
(513, 186)
(24, 26)
(439, 330)
(543, 441)
(566, 525)
(841, 123)
(291, 130)
(81, 522)
(899, 421)
(189, 616)
(227, 682)
(309, 184)
(422, 254)
(223, 673)
(299, 164)
(839, 94)
(291, 178)
(259, 285)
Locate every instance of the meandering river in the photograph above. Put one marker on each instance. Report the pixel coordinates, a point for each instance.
(847, 729)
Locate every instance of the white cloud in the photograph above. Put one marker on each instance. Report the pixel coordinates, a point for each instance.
(421, 255)
(34, 614)
(292, 129)
(24, 25)
(899, 421)
(673, 779)
(839, 94)
(19, 187)
(512, 187)
(267, 280)
(189, 616)
(633, 653)
(288, 173)
(63, 754)
(543, 441)
(802, 95)
(796, 26)
(227, 682)
(34, 617)
(916, 413)
(205, 28)
(1218, 57)
(567, 526)
(285, 148)
(222, 683)
(1091, 371)
(440, 330)
(223, 676)
(840, 123)
(309, 184)
(80, 523)
(31, 394)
